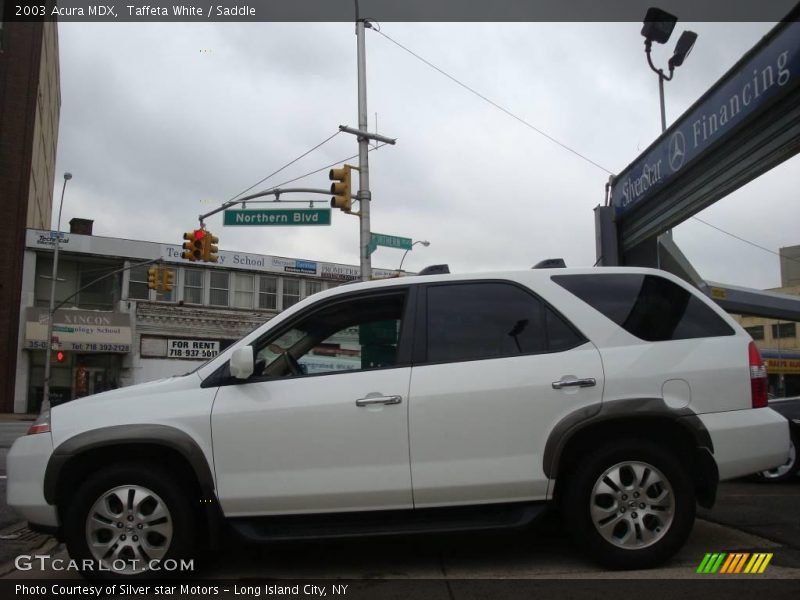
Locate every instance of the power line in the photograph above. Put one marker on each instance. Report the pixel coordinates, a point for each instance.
(325, 141)
(741, 239)
(333, 164)
(493, 103)
(549, 137)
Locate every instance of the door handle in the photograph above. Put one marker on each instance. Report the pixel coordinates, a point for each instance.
(373, 400)
(563, 383)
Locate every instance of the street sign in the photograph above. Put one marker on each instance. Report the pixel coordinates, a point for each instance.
(390, 241)
(281, 216)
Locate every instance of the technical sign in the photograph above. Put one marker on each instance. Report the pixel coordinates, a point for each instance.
(192, 349)
(283, 216)
(756, 81)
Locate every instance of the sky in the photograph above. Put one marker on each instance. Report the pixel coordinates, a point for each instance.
(161, 122)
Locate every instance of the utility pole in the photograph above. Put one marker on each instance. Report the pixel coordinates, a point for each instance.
(364, 195)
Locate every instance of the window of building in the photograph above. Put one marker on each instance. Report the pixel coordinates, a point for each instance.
(291, 292)
(464, 323)
(650, 307)
(784, 330)
(756, 332)
(268, 293)
(312, 287)
(98, 286)
(137, 286)
(243, 290)
(220, 283)
(193, 286)
(170, 295)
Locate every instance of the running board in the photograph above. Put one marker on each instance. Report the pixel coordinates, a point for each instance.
(387, 522)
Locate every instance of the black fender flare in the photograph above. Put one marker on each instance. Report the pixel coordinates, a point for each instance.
(148, 434)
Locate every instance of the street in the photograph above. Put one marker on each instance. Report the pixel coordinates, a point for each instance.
(748, 517)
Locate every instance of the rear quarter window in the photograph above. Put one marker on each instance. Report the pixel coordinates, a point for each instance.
(652, 308)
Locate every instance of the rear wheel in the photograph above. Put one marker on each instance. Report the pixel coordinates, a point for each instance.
(127, 519)
(630, 504)
(787, 470)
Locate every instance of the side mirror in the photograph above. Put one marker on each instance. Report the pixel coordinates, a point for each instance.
(241, 363)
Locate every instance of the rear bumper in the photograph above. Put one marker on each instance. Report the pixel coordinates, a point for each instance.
(747, 441)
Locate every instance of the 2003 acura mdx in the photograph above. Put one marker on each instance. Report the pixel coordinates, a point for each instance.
(424, 403)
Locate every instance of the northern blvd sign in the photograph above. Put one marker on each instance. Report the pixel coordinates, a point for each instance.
(390, 241)
(282, 216)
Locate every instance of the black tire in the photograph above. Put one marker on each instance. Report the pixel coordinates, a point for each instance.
(181, 521)
(629, 526)
(786, 472)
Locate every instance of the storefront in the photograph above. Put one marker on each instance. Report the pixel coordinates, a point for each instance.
(86, 357)
(783, 370)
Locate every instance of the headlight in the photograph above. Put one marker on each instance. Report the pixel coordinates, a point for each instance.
(41, 424)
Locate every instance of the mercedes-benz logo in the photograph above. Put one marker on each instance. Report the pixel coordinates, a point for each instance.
(677, 150)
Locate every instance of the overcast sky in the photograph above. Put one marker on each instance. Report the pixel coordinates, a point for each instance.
(160, 122)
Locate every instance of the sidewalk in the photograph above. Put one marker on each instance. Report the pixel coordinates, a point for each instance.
(14, 417)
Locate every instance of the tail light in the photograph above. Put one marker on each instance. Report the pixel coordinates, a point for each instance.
(758, 377)
(42, 424)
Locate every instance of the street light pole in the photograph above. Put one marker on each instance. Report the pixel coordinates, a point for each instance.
(50, 312)
(423, 242)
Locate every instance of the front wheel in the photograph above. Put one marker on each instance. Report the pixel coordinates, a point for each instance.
(630, 504)
(129, 521)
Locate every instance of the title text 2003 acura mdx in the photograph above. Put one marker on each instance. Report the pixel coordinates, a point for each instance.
(423, 403)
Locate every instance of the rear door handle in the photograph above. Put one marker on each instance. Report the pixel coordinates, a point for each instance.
(563, 383)
(373, 400)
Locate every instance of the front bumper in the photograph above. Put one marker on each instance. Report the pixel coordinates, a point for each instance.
(747, 441)
(26, 464)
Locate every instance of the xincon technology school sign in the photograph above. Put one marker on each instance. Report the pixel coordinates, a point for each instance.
(752, 85)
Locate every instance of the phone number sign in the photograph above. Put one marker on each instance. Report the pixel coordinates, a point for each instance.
(192, 349)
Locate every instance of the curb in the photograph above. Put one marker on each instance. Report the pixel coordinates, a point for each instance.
(21, 540)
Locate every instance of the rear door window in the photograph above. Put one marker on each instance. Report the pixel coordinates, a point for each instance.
(652, 308)
(470, 321)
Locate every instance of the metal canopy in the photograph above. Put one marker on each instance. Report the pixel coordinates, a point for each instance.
(747, 123)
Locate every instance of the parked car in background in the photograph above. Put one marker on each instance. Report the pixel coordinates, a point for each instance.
(790, 470)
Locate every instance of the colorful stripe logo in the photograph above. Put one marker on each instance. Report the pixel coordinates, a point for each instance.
(735, 563)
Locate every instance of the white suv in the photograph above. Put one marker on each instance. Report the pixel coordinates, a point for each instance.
(429, 403)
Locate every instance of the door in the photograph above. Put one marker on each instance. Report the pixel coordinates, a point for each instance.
(482, 395)
(322, 425)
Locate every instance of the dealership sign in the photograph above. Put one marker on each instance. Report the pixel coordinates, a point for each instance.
(758, 81)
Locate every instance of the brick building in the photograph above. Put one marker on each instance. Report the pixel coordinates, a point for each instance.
(30, 102)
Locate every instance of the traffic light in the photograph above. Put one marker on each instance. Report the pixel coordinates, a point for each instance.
(153, 278)
(168, 280)
(341, 189)
(210, 247)
(60, 356)
(188, 246)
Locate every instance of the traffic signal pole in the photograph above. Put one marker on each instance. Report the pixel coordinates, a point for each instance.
(364, 195)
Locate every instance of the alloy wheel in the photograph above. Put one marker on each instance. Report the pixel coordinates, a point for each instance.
(632, 505)
(128, 527)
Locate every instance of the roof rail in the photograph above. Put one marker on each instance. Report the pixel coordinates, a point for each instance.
(550, 263)
(435, 270)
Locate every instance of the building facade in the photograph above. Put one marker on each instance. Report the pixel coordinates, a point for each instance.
(114, 331)
(779, 345)
(790, 266)
(30, 103)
